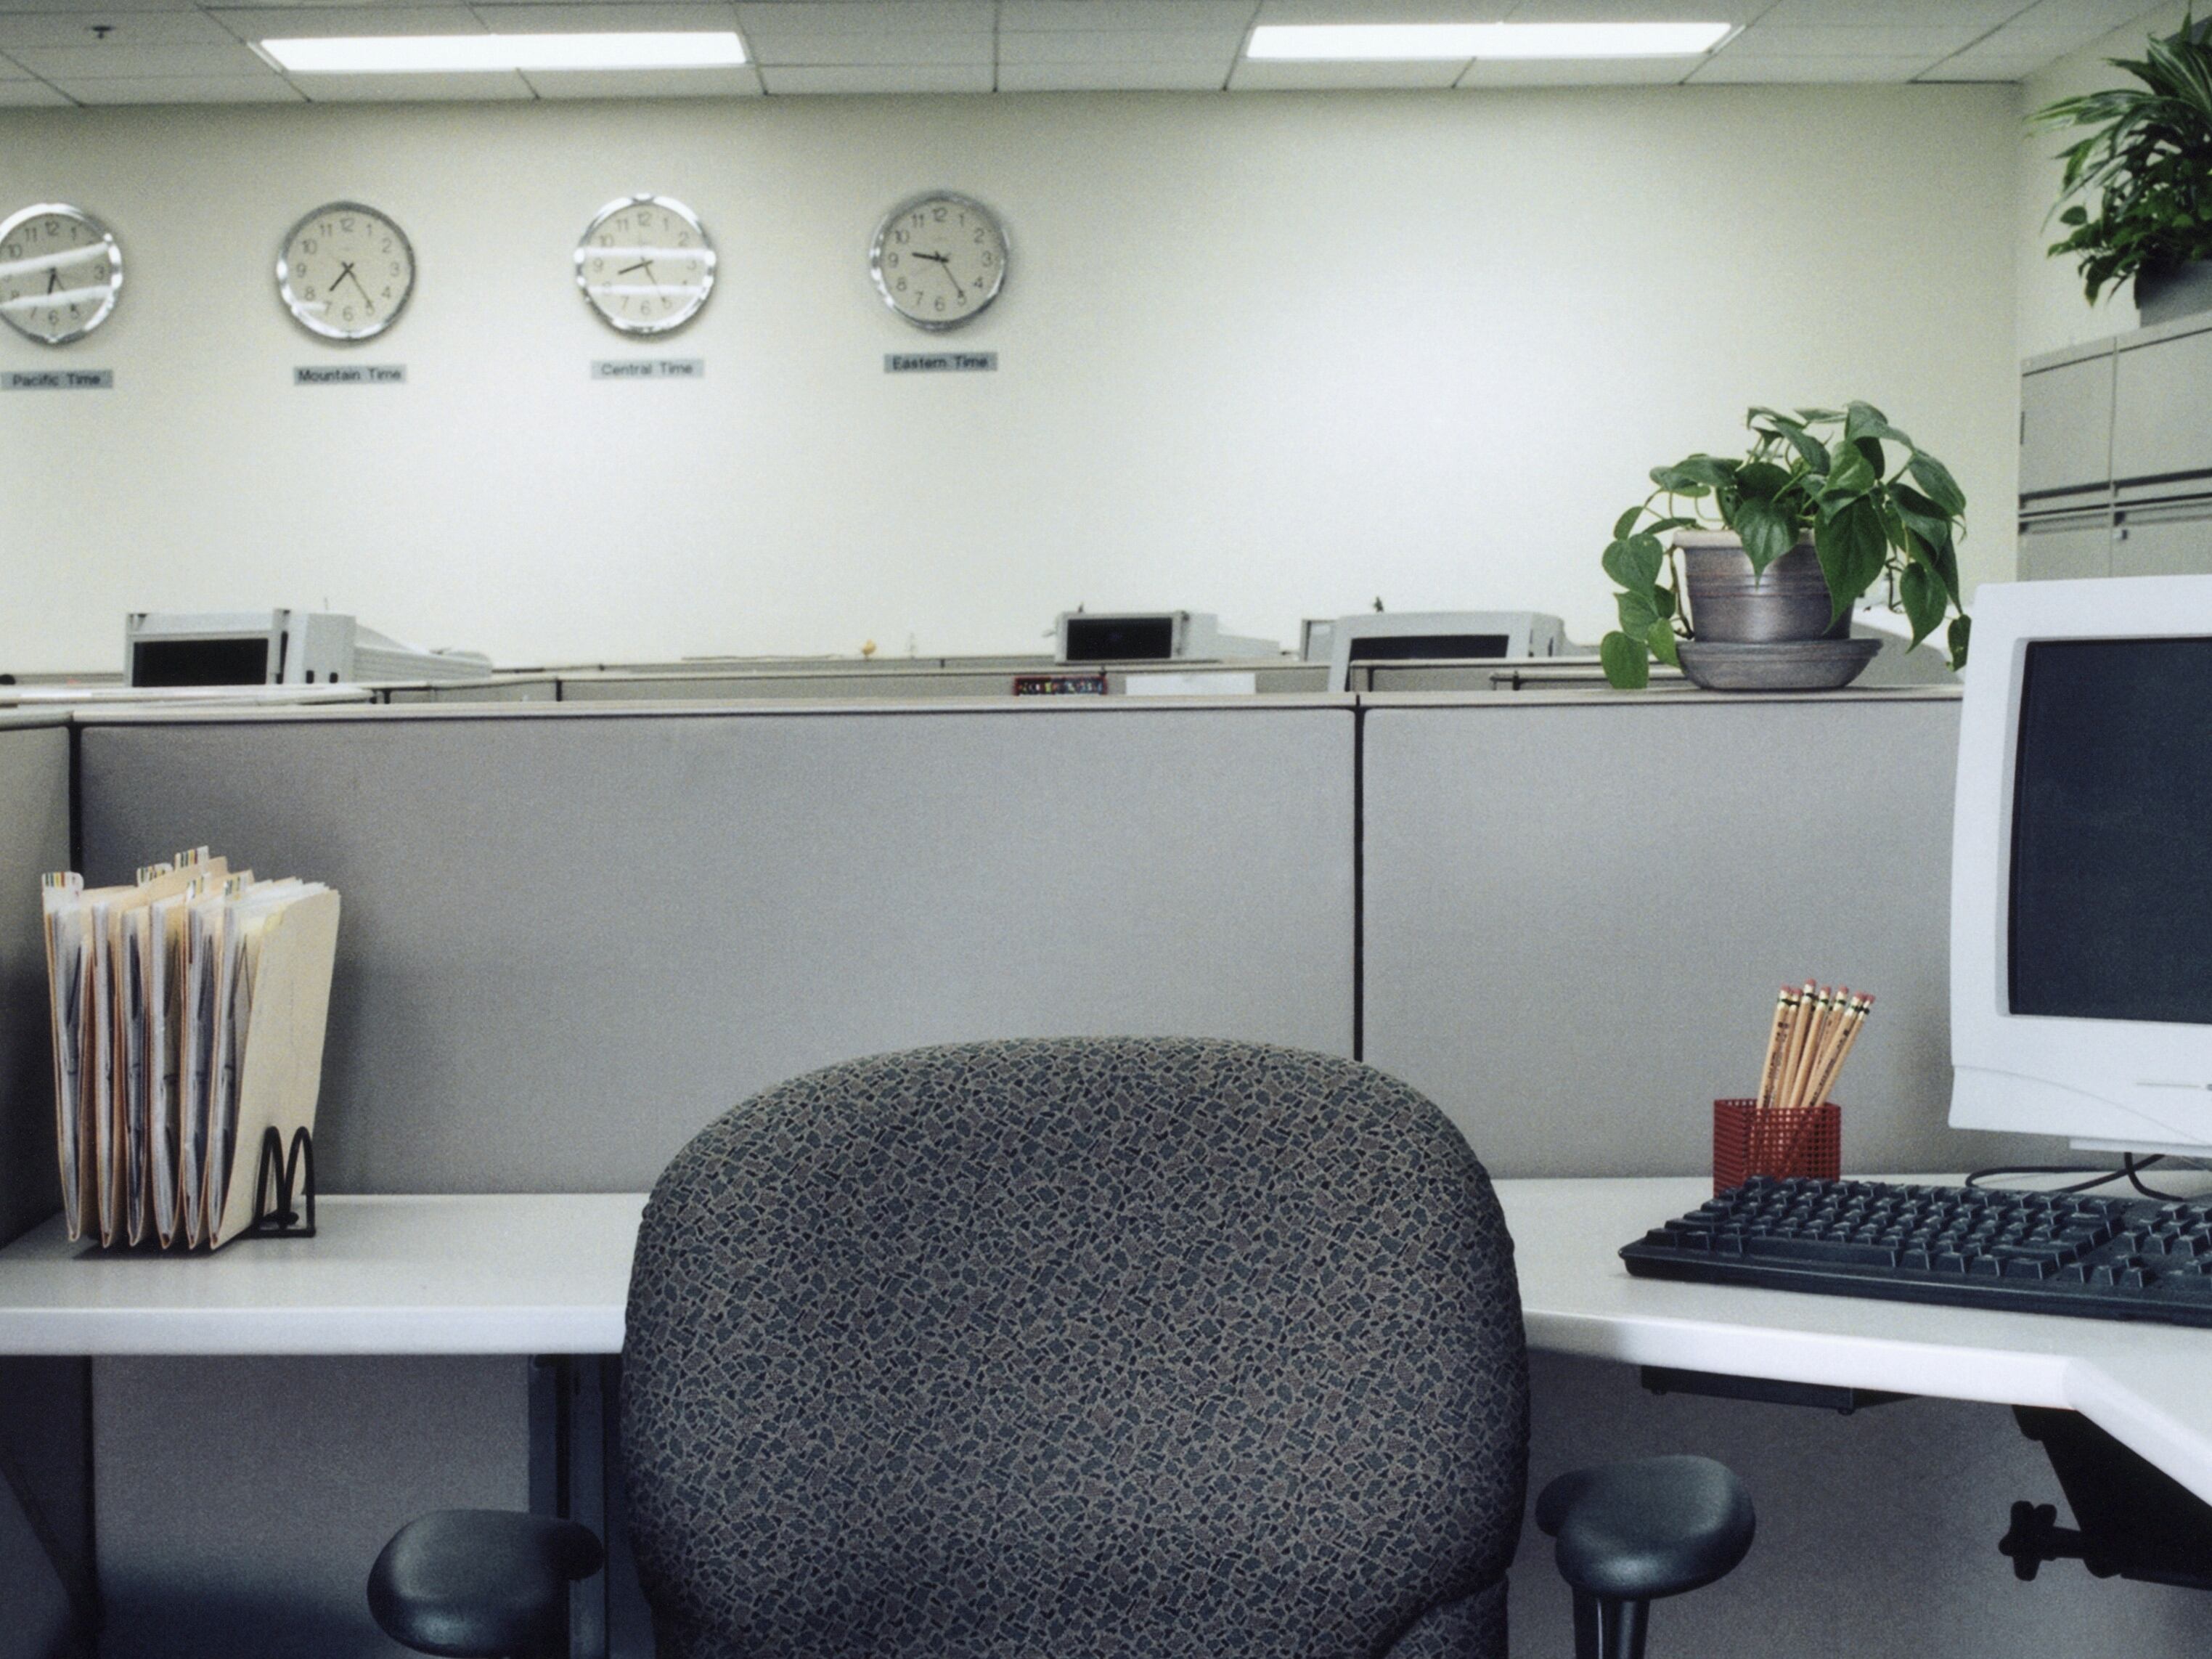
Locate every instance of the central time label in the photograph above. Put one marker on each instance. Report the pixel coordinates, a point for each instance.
(649, 368)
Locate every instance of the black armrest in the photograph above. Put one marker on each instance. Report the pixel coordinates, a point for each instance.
(1635, 1532)
(491, 1583)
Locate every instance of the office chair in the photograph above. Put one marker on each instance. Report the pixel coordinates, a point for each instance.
(1076, 1349)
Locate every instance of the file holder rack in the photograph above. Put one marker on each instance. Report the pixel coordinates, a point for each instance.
(284, 1187)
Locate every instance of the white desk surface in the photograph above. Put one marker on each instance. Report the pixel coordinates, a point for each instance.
(550, 1275)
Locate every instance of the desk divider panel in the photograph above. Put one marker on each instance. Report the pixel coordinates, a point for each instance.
(571, 939)
(1577, 913)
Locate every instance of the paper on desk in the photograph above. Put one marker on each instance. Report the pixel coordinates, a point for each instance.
(68, 984)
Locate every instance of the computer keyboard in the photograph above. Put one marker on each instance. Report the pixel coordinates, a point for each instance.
(1974, 1247)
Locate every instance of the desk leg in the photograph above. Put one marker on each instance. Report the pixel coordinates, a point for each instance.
(569, 1427)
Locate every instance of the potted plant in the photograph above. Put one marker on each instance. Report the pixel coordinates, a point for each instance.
(2147, 160)
(1809, 519)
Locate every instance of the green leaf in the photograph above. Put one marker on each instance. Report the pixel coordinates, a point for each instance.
(1810, 449)
(1767, 533)
(1677, 482)
(1961, 627)
(1932, 475)
(1924, 600)
(1852, 550)
(1661, 638)
(1710, 471)
(1627, 662)
(1811, 415)
(1634, 563)
(1638, 612)
(1762, 479)
(1850, 478)
(1627, 522)
(1661, 526)
(1864, 421)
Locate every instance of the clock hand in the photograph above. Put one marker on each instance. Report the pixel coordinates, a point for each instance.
(53, 279)
(944, 263)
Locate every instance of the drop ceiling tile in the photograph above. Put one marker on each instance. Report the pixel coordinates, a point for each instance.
(1279, 77)
(323, 22)
(879, 78)
(872, 50)
(2017, 40)
(2092, 17)
(1806, 71)
(116, 61)
(30, 95)
(491, 88)
(600, 19)
(1635, 11)
(86, 8)
(1585, 72)
(741, 81)
(1129, 46)
(1788, 41)
(904, 19)
(183, 89)
(1384, 11)
(133, 28)
(1991, 70)
(1025, 16)
(1133, 75)
(1960, 14)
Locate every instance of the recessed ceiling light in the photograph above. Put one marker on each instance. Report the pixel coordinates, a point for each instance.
(1354, 42)
(446, 54)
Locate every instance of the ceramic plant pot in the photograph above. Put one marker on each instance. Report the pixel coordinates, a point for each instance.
(2166, 293)
(1728, 605)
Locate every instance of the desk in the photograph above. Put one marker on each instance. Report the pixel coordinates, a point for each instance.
(549, 1275)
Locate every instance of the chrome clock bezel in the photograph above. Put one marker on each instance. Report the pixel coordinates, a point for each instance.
(666, 325)
(954, 198)
(293, 302)
(63, 210)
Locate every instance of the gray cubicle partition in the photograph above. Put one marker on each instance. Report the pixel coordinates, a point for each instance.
(571, 937)
(45, 1521)
(1577, 912)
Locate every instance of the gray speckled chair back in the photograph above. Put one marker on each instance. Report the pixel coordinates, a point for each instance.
(1068, 1349)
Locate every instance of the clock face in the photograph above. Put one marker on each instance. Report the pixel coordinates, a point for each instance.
(346, 271)
(939, 259)
(645, 264)
(60, 272)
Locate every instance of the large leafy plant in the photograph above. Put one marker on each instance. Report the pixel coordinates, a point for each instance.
(1823, 472)
(2144, 173)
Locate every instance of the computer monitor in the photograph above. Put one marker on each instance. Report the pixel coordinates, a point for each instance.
(1438, 636)
(2081, 865)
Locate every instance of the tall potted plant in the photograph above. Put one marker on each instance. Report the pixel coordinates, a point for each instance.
(1824, 504)
(2140, 178)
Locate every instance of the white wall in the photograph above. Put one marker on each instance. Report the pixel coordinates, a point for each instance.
(2054, 312)
(1267, 354)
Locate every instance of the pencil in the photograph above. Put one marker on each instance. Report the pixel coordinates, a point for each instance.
(1799, 1019)
(1776, 1035)
(1817, 1006)
(1833, 1011)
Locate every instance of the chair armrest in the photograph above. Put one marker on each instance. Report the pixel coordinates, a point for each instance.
(491, 1583)
(1635, 1532)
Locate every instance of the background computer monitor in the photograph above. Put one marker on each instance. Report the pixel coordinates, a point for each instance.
(2081, 865)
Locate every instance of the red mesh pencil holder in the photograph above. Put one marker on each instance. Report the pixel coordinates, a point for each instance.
(1747, 1142)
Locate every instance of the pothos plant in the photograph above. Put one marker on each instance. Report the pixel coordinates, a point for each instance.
(1823, 472)
(2146, 161)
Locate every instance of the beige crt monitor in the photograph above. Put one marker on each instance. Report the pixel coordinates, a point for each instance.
(2081, 865)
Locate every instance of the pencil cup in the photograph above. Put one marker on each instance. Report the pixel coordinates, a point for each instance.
(1748, 1142)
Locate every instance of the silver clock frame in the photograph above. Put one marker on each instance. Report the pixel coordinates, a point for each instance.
(50, 209)
(665, 325)
(292, 302)
(883, 229)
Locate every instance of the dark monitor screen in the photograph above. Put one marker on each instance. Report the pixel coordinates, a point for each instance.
(2111, 911)
(1425, 647)
(1121, 639)
(200, 662)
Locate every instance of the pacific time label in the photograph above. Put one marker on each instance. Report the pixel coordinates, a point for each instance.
(941, 362)
(350, 374)
(57, 379)
(649, 368)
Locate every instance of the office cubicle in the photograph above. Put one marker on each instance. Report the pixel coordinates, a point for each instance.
(573, 935)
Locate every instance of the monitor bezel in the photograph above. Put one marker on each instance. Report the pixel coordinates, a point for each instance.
(2140, 1085)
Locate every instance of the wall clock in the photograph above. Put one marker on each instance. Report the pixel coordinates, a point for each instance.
(61, 272)
(346, 271)
(645, 264)
(939, 259)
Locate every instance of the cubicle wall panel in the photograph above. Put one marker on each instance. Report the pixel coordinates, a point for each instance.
(1577, 915)
(569, 941)
(34, 837)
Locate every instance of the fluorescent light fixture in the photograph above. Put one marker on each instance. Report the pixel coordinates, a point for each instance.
(1404, 42)
(453, 54)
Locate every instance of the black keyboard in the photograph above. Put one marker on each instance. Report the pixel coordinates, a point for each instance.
(1972, 1247)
